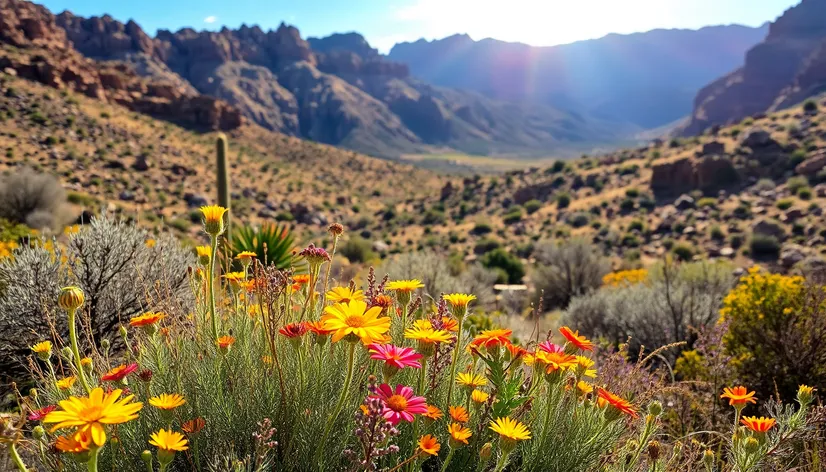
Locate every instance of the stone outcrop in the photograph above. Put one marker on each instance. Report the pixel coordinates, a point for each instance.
(707, 173)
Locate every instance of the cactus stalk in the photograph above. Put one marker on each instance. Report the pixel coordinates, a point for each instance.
(221, 147)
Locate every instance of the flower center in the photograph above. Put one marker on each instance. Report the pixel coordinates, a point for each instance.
(354, 321)
(91, 413)
(397, 403)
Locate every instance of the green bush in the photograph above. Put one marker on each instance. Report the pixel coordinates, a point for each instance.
(511, 266)
(481, 228)
(514, 215)
(683, 251)
(784, 204)
(579, 219)
(764, 246)
(804, 193)
(486, 245)
(709, 202)
(810, 106)
(563, 200)
(717, 233)
(357, 249)
(532, 206)
(796, 183)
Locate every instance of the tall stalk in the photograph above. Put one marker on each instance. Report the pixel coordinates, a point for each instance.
(76, 351)
(213, 244)
(456, 352)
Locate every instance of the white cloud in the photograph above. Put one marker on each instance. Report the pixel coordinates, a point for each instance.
(211, 19)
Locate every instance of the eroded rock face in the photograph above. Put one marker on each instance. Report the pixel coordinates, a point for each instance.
(707, 173)
(787, 67)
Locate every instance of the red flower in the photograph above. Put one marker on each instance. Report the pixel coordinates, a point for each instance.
(294, 330)
(38, 415)
(119, 373)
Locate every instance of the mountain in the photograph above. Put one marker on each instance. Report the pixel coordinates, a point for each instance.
(336, 90)
(647, 79)
(786, 68)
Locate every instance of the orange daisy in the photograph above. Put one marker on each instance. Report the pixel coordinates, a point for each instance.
(738, 396)
(459, 414)
(574, 338)
(619, 403)
(758, 425)
(492, 338)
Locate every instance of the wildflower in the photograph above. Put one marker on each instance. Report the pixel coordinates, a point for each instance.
(150, 243)
(146, 321)
(336, 229)
(486, 452)
(213, 217)
(76, 443)
(315, 255)
(584, 387)
(738, 396)
(246, 257)
(87, 364)
(404, 286)
(38, 415)
(805, 394)
(70, 298)
(354, 321)
(510, 431)
(479, 396)
(492, 338)
(294, 330)
(66, 383)
(583, 367)
(235, 279)
(459, 303)
(321, 333)
(515, 353)
(383, 301)
(550, 347)
(344, 294)
(433, 412)
(426, 338)
(266, 360)
(166, 401)
(573, 337)
(471, 380)
(758, 425)
(89, 414)
(450, 324)
(459, 414)
(400, 404)
(617, 404)
(225, 342)
(43, 350)
(429, 445)
(554, 362)
(204, 253)
(193, 426)
(394, 358)
(168, 443)
(301, 279)
(119, 373)
(458, 435)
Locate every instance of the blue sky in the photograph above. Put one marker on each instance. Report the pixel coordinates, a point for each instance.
(386, 22)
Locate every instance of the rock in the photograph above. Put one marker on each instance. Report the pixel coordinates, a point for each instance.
(141, 163)
(127, 196)
(812, 165)
(791, 254)
(84, 218)
(727, 252)
(713, 148)
(195, 201)
(756, 138)
(769, 227)
(794, 214)
(709, 173)
(689, 230)
(381, 247)
(684, 202)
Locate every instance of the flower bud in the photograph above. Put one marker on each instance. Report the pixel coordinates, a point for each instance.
(123, 332)
(752, 445)
(33, 393)
(146, 457)
(105, 344)
(805, 395)
(38, 432)
(67, 353)
(70, 298)
(654, 450)
(708, 459)
(486, 452)
(655, 408)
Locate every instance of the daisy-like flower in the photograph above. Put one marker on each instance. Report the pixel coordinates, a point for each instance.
(427, 338)
(805, 394)
(459, 303)
(246, 257)
(554, 361)
(119, 373)
(66, 383)
(43, 350)
(294, 330)
(617, 403)
(492, 338)
(167, 401)
(235, 279)
(404, 286)
(584, 387)
(354, 321)
(738, 396)
(450, 324)
(344, 295)
(510, 431)
(317, 328)
(194, 426)
(433, 413)
(168, 443)
(383, 301)
(583, 367)
(429, 445)
(146, 319)
(213, 217)
(758, 425)
(315, 255)
(479, 396)
(471, 380)
(458, 435)
(38, 415)
(548, 346)
(459, 414)
(400, 404)
(225, 342)
(74, 443)
(90, 414)
(203, 253)
(515, 352)
(573, 337)
(301, 279)
(394, 358)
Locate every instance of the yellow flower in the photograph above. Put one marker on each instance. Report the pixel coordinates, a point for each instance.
(89, 414)
(213, 213)
(471, 380)
(344, 295)
(507, 428)
(458, 434)
(166, 401)
(584, 365)
(479, 396)
(66, 383)
(584, 387)
(354, 321)
(146, 319)
(203, 252)
(42, 346)
(427, 335)
(405, 286)
(429, 445)
(459, 300)
(246, 256)
(169, 441)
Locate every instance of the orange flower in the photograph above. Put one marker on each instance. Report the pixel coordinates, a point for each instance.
(758, 425)
(317, 327)
(119, 373)
(459, 414)
(450, 324)
(383, 301)
(619, 403)
(294, 330)
(738, 396)
(492, 338)
(146, 319)
(516, 352)
(429, 445)
(224, 342)
(574, 338)
(458, 434)
(433, 412)
(301, 279)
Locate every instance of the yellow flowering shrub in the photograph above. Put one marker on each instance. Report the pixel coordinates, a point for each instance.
(625, 277)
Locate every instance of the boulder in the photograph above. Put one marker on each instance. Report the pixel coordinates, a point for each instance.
(791, 254)
(812, 165)
(769, 227)
(684, 202)
(713, 148)
(757, 138)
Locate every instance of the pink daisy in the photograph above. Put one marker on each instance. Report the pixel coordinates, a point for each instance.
(550, 347)
(401, 404)
(38, 415)
(398, 357)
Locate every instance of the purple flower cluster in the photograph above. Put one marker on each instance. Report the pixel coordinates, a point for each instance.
(374, 433)
(315, 255)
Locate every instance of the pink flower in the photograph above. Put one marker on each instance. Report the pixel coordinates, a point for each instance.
(400, 404)
(552, 348)
(38, 415)
(398, 357)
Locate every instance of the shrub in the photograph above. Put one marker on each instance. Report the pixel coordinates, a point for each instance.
(563, 200)
(567, 269)
(632, 192)
(481, 228)
(796, 183)
(810, 106)
(776, 332)
(784, 204)
(514, 215)
(763, 185)
(683, 251)
(532, 206)
(675, 300)
(709, 202)
(764, 246)
(512, 267)
(32, 198)
(486, 245)
(579, 219)
(627, 205)
(111, 261)
(717, 233)
(804, 193)
(272, 243)
(357, 249)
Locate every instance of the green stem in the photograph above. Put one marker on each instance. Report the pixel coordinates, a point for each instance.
(213, 244)
(448, 459)
(404, 317)
(547, 423)
(76, 352)
(300, 368)
(456, 353)
(341, 399)
(92, 465)
(503, 461)
(420, 391)
(15, 457)
(329, 269)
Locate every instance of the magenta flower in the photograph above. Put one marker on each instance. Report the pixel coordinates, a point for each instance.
(552, 348)
(400, 404)
(38, 415)
(398, 357)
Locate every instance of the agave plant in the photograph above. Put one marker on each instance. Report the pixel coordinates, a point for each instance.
(273, 244)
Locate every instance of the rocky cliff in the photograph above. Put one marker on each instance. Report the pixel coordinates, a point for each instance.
(787, 67)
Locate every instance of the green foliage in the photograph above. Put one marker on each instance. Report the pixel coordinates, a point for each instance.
(514, 215)
(796, 183)
(784, 204)
(804, 193)
(764, 246)
(532, 206)
(563, 200)
(485, 245)
(684, 252)
(272, 243)
(510, 264)
(709, 202)
(565, 269)
(357, 249)
(222, 173)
